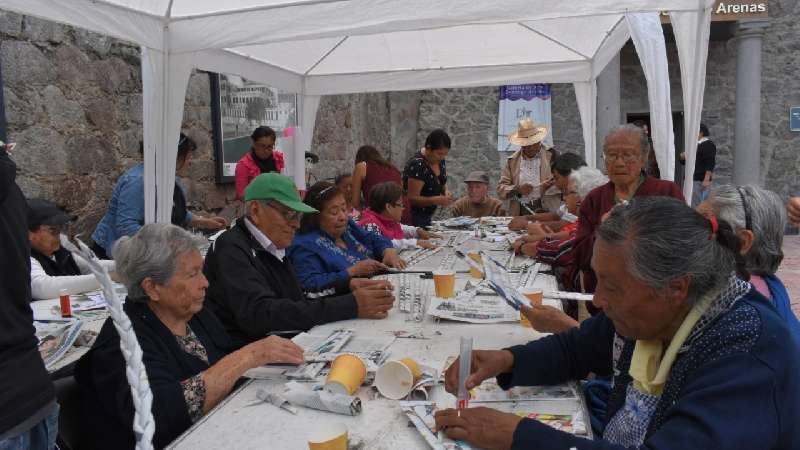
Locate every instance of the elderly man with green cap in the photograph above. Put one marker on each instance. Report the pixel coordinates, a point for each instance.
(254, 289)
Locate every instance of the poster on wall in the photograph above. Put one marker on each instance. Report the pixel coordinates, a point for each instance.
(239, 106)
(523, 100)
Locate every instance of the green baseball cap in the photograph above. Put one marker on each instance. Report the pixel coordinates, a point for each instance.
(274, 186)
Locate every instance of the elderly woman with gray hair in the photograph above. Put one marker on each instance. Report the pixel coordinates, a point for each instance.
(698, 358)
(184, 347)
(758, 217)
(625, 151)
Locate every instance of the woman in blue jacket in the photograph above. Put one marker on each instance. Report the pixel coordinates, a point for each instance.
(698, 357)
(125, 213)
(331, 248)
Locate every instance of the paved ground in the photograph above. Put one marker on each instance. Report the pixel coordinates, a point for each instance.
(789, 272)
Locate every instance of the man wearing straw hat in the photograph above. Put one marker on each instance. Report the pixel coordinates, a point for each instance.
(526, 176)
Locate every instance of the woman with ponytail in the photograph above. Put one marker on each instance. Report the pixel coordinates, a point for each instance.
(698, 358)
(758, 218)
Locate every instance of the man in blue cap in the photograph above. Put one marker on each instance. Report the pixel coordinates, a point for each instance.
(253, 288)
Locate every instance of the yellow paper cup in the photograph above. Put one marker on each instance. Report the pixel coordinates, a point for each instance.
(328, 436)
(395, 379)
(346, 375)
(477, 258)
(445, 283)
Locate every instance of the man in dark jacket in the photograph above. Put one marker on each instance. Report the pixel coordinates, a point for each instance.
(254, 290)
(28, 408)
(705, 162)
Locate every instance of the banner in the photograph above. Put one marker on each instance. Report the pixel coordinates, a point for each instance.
(518, 101)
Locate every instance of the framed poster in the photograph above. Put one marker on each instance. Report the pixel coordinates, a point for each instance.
(239, 106)
(794, 118)
(518, 101)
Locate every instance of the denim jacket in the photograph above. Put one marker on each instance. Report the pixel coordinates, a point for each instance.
(125, 213)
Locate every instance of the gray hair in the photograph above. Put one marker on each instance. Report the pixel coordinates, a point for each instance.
(665, 239)
(584, 179)
(767, 222)
(629, 128)
(152, 253)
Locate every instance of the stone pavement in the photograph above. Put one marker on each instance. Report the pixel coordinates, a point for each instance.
(789, 271)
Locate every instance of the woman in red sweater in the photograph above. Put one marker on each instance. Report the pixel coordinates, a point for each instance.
(625, 152)
(263, 157)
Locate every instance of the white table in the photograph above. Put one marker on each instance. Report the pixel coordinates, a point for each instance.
(238, 424)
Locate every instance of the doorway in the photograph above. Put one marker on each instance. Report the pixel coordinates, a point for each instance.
(677, 129)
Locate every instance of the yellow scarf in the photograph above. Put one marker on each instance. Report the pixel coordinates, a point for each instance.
(649, 368)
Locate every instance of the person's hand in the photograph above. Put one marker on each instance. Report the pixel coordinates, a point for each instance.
(547, 319)
(480, 427)
(273, 349)
(605, 215)
(683, 156)
(425, 244)
(359, 283)
(8, 147)
(485, 364)
(548, 183)
(425, 234)
(530, 250)
(392, 259)
(525, 189)
(374, 302)
(538, 231)
(366, 268)
(517, 245)
(793, 210)
(211, 223)
(518, 223)
(444, 200)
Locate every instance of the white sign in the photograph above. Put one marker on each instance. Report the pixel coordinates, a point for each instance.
(518, 101)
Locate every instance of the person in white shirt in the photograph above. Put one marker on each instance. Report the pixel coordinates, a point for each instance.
(53, 267)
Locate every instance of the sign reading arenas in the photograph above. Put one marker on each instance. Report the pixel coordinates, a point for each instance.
(728, 11)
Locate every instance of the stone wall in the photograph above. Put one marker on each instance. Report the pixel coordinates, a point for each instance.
(780, 89)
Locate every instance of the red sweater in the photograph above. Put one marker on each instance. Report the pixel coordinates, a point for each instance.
(598, 202)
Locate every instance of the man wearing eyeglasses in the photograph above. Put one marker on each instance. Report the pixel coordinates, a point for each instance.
(53, 267)
(253, 288)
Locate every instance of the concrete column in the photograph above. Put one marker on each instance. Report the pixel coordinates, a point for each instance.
(747, 134)
(609, 113)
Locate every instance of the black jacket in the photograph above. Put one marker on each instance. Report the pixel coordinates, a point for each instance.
(253, 292)
(25, 386)
(706, 160)
(63, 266)
(107, 405)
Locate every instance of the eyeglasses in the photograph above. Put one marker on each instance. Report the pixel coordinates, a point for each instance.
(289, 214)
(398, 205)
(626, 157)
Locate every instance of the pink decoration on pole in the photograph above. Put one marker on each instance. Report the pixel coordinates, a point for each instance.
(288, 132)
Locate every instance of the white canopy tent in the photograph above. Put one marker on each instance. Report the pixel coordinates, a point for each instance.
(320, 47)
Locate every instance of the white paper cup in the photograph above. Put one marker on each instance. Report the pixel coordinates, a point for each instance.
(394, 380)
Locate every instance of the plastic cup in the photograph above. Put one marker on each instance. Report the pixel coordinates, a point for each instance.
(395, 379)
(346, 375)
(535, 297)
(477, 258)
(445, 283)
(328, 436)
